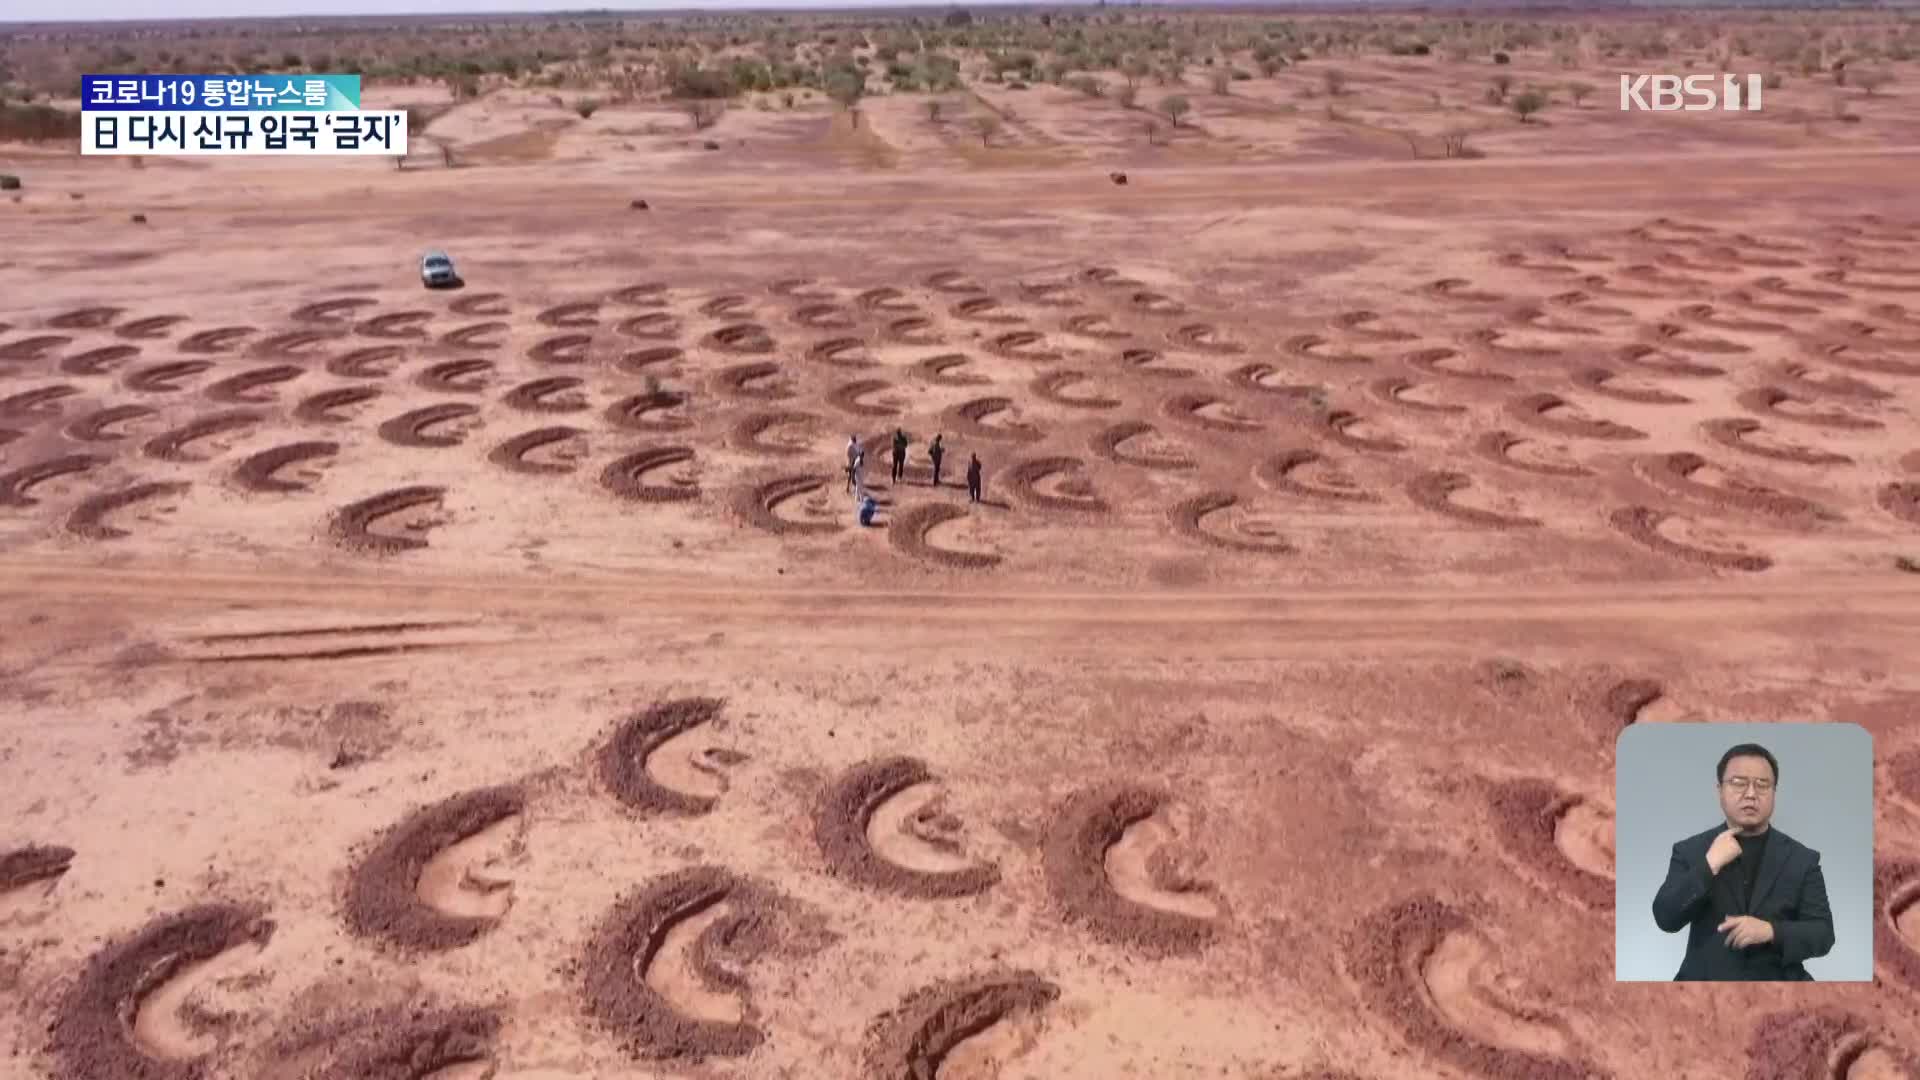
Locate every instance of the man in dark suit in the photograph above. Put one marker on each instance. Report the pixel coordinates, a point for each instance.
(1751, 897)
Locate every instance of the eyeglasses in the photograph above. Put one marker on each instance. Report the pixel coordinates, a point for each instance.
(1741, 783)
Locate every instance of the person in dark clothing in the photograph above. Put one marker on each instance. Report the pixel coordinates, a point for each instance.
(935, 452)
(1764, 919)
(899, 454)
(973, 479)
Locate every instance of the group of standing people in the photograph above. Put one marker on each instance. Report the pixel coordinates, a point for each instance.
(936, 454)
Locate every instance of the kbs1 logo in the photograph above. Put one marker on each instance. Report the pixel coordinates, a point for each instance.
(1669, 93)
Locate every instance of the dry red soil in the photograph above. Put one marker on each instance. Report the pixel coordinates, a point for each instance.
(1339, 512)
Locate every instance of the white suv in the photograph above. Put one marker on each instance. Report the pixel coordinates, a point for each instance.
(436, 269)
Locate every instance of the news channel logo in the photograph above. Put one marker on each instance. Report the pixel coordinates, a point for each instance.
(1690, 93)
(230, 115)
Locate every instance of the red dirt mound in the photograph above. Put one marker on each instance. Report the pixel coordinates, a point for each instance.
(1673, 335)
(952, 281)
(625, 476)
(1313, 347)
(92, 1035)
(1530, 317)
(333, 312)
(482, 335)
(1488, 339)
(1670, 282)
(483, 304)
(1186, 516)
(1819, 1043)
(799, 288)
(172, 445)
(1186, 408)
(983, 309)
(1154, 303)
(969, 418)
(885, 298)
(755, 504)
(1023, 345)
(15, 485)
(1094, 326)
(646, 294)
(1384, 956)
(1902, 500)
(1074, 853)
(631, 936)
(748, 433)
(455, 376)
(1518, 260)
(846, 397)
(1807, 380)
(914, 330)
(382, 896)
(165, 378)
(1881, 337)
(745, 338)
(375, 362)
(409, 428)
(561, 349)
(1057, 294)
(548, 395)
(1746, 299)
(1848, 357)
(1663, 363)
(1147, 362)
(1363, 323)
(1767, 401)
(1540, 410)
(1255, 376)
(319, 408)
(351, 524)
(1390, 390)
(94, 426)
(1707, 315)
(297, 343)
(256, 472)
(1527, 815)
(396, 324)
(846, 352)
(649, 413)
(1642, 525)
(512, 454)
(1106, 443)
(726, 306)
(1583, 303)
(35, 862)
(1623, 702)
(1207, 338)
(1496, 446)
(1109, 277)
(33, 348)
(1600, 380)
(622, 759)
(1023, 478)
(1335, 424)
(88, 520)
(1428, 361)
(939, 369)
(1674, 472)
(578, 315)
(1048, 386)
(907, 533)
(1854, 280)
(639, 361)
(395, 1043)
(149, 328)
(1733, 433)
(843, 815)
(86, 318)
(1461, 289)
(913, 1040)
(733, 382)
(1435, 490)
(250, 387)
(99, 361)
(219, 340)
(823, 317)
(39, 403)
(1277, 472)
(1779, 286)
(1598, 283)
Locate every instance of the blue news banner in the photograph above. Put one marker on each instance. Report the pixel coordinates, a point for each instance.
(201, 115)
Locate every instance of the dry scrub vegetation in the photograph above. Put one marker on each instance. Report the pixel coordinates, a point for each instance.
(1375, 85)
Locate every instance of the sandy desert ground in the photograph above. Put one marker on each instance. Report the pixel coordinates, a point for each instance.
(495, 682)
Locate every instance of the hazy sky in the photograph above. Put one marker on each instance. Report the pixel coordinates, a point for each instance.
(69, 10)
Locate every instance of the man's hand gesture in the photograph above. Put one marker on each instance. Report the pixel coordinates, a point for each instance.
(1745, 930)
(1725, 849)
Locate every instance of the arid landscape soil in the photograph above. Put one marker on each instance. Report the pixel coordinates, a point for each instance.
(495, 682)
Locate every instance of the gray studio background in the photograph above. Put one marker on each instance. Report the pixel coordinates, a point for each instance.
(1664, 792)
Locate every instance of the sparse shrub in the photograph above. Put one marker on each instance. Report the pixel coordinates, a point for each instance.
(934, 105)
(1579, 92)
(1219, 82)
(586, 107)
(1502, 58)
(1016, 85)
(1501, 84)
(1128, 96)
(1088, 86)
(986, 124)
(1773, 81)
(37, 123)
(1175, 107)
(1524, 105)
(9, 182)
(1335, 81)
(1872, 80)
(786, 100)
(704, 112)
(1454, 143)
